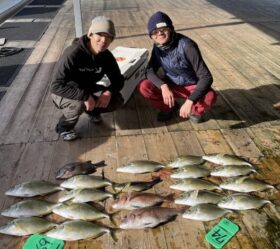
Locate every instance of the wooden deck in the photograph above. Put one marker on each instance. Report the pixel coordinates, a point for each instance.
(240, 42)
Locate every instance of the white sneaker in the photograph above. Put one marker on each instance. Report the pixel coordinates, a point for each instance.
(69, 135)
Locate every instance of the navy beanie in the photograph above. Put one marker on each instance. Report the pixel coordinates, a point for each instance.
(159, 20)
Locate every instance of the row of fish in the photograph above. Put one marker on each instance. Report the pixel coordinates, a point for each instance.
(80, 188)
(143, 166)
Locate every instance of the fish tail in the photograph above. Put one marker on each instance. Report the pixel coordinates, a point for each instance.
(155, 181)
(112, 217)
(170, 197)
(100, 164)
(113, 232)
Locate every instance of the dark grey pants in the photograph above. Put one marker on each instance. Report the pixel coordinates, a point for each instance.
(73, 109)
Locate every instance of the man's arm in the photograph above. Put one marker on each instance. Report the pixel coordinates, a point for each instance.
(202, 72)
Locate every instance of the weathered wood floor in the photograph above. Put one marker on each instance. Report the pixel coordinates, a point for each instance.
(240, 42)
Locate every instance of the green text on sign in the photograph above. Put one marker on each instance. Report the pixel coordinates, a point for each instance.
(220, 234)
(38, 241)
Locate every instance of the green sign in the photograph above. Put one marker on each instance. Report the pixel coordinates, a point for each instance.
(221, 234)
(38, 241)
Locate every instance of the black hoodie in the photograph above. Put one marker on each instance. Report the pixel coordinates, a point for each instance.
(77, 72)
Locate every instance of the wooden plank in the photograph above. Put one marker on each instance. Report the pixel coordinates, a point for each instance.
(241, 143)
(267, 140)
(147, 117)
(127, 121)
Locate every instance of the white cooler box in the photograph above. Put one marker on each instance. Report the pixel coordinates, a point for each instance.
(132, 63)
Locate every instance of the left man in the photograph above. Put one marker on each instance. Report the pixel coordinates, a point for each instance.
(74, 85)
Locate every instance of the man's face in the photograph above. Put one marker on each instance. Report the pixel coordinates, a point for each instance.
(100, 42)
(161, 35)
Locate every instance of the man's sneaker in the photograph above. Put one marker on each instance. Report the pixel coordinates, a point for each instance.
(96, 119)
(69, 135)
(165, 116)
(196, 118)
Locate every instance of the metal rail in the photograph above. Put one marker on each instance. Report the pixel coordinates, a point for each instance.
(9, 8)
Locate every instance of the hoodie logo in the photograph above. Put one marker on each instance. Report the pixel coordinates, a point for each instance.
(93, 70)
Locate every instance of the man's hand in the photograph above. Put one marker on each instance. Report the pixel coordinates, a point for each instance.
(167, 95)
(104, 99)
(90, 103)
(186, 108)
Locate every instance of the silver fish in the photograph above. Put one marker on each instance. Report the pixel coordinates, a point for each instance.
(186, 160)
(196, 197)
(225, 159)
(78, 168)
(80, 211)
(148, 217)
(84, 195)
(85, 181)
(33, 188)
(232, 170)
(192, 171)
(27, 226)
(78, 230)
(245, 184)
(189, 184)
(28, 208)
(205, 212)
(140, 200)
(242, 202)
(136, 186)
(140, 167)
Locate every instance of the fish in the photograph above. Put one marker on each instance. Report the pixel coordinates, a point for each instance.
(140, 167)
(33, 188)
(149, 217)
(78, 168)
(29, 208)
(140, 200)
(232, 170)
(82, 195)
(185, 160)
(242, 202)
(27, 226)
(192, 171)
(205, 212)
(245, 184)
(196, 197)
(135, 186)
(85, 181)
(189, 184)
(81, 211)
(225, 159)
(79, 230)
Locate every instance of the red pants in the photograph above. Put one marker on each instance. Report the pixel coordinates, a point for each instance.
(152, 93)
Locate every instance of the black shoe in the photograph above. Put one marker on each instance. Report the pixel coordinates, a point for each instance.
(165, 116)
(96, 119)
(196, 118)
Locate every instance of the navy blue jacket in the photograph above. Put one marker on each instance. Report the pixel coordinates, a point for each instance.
(182, 64)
